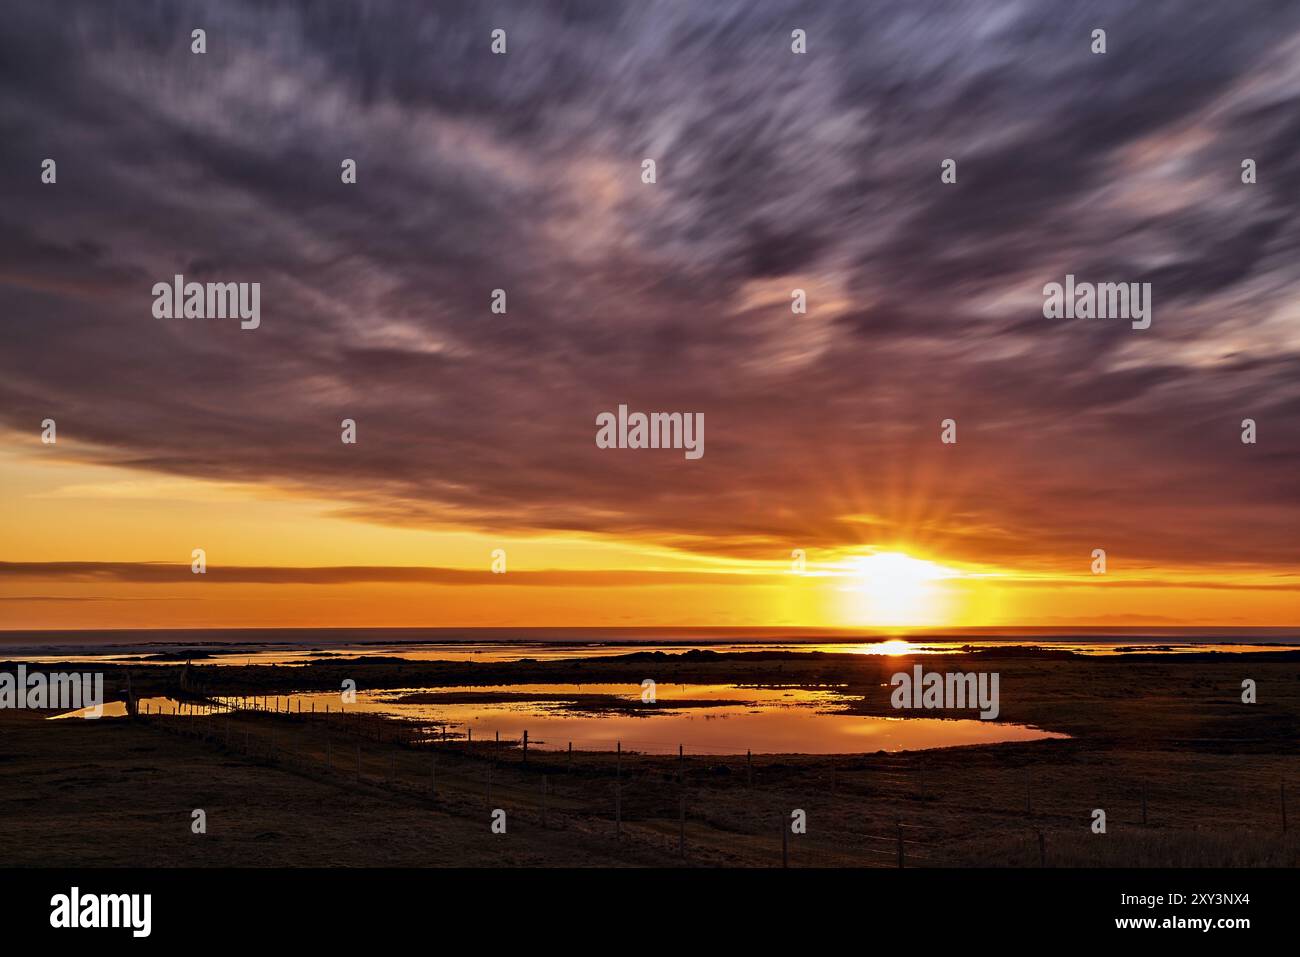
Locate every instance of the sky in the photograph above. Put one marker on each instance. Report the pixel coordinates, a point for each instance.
(775, 171)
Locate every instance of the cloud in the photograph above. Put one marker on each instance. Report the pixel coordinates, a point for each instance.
(820, 172)
(158, 573)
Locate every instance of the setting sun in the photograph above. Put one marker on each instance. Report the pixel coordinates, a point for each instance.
(897, 589)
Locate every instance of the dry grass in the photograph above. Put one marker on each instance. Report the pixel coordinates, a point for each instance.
(120, 792)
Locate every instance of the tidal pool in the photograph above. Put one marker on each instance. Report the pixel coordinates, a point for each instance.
(701, 719)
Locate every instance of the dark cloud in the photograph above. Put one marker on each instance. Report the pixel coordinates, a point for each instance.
(156, 573)
(775, 171)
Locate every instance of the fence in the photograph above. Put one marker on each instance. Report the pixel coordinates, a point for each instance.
(691, 806)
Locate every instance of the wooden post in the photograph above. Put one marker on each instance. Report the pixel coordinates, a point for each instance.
(681, 829)
(525, 745)
(900, 844)
(469, 738)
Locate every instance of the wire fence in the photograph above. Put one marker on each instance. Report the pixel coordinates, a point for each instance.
(692, 806)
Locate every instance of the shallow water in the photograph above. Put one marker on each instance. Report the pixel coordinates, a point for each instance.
(501, 651)
(733, 719)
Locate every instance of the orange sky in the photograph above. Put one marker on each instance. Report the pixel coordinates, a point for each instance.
(105, 547)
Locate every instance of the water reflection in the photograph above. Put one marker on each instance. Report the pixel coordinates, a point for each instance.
(702, 719)
(505, 651)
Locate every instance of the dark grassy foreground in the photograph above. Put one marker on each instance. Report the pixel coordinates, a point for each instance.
(1167, 733)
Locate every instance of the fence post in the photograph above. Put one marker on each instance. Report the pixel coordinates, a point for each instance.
(681, 829)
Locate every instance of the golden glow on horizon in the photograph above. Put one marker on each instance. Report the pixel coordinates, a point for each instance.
(53, 509)
(896, 646)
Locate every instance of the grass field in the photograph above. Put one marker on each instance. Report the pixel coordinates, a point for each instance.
(1186, 774)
